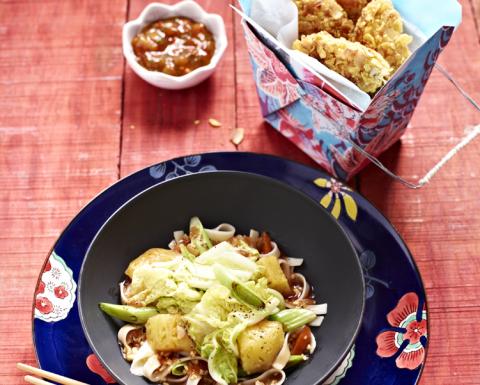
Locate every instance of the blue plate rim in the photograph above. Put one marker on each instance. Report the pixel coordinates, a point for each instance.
(395, 233)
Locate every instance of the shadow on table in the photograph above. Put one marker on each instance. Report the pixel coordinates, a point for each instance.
(264, 138)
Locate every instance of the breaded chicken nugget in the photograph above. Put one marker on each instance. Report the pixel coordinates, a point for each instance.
(323, 15)
(380, 27)
(361, 65)
(353, 7)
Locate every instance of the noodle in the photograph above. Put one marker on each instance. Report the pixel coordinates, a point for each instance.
(140, 359)
(178, 235)
(305, 285)
(313, 344)
(164, 293)
(177, 380)
(317, 321)
(275, 251)
(193, 379)
(151, 369)
(265, 377)
(286, 268)
(295, 262)
(128, 350)
(284, 355)
(123, 295)
(254, 234)
(221, 233)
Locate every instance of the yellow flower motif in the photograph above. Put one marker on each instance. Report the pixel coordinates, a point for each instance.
(338, 193)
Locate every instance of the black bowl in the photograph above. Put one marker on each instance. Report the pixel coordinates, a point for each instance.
(300, 226)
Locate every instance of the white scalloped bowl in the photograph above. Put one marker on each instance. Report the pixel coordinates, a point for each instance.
(157, 11)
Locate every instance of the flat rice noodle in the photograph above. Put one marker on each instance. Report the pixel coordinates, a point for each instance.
(270, 377)
(283, 356)
(221, 233)
(275, 251)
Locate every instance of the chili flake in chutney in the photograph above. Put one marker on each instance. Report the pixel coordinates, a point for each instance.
(174, 46)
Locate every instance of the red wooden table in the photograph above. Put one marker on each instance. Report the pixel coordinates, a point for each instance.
(74, 119)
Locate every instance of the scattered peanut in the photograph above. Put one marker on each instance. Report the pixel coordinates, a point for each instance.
(214, 123)
(237, 136)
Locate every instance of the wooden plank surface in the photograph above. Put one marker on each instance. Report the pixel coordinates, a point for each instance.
(60, 86)
(475, 6)
(73, 119)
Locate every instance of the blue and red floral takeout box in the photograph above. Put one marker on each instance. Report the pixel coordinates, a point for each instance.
(321, 120)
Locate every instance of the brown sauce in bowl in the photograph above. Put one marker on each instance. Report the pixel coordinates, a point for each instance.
(174, 46)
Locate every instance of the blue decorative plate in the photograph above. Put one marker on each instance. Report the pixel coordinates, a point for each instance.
(391, 346)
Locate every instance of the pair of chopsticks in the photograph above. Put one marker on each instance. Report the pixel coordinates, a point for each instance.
(43, 374)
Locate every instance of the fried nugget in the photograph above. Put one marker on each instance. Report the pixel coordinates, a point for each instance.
(353, 7)
(362, 65)
(323, 15)
(380, 27)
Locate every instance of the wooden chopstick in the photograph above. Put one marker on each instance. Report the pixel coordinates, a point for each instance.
(48, 375)
(36, 381)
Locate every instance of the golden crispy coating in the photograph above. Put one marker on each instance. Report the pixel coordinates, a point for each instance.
(380, 27)
(360, 64)
(323, 15)
(353, 7)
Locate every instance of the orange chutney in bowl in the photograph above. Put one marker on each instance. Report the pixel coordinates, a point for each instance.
(175, 46)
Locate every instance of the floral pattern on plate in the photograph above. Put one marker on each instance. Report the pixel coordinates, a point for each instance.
(409, 335)
(55, 293)
(93, 363)
(186, 166)
(368, 260)
(338, 193)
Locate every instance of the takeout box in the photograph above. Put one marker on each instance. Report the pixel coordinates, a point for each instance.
(324, 114)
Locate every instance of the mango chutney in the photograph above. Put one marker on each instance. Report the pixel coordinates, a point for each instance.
(174, 46)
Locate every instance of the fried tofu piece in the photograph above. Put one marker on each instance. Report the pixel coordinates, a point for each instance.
(353, 7)
(259, 345)
(150, 257)
(274, 274)
(380, 27)
(361, 65)
(166, 333)
(323, 15)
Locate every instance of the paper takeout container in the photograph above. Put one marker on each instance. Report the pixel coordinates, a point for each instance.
(318, 112)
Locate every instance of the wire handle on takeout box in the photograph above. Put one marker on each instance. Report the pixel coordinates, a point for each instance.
(430, 174)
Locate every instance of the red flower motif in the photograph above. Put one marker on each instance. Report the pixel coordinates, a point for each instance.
(313, 79)
(48, 267)
(96, 367)
(404, 317)
(285, 91)
(40, 288)
(415, 330)
(280, 70)
(43, 305)
(60, 292)
(272, 77)
(309, 134)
